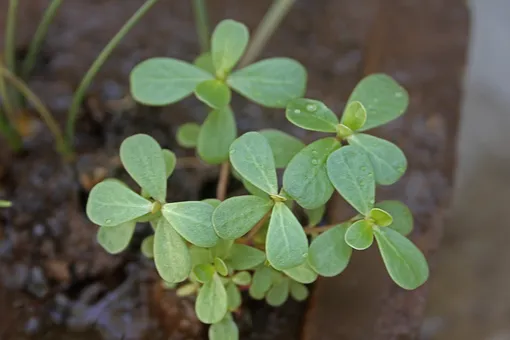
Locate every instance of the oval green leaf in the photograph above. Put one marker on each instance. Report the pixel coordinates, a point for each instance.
(402, 216)
(187, 135)
(143, 159)
(298, 291)
(311, 115)
(235, 216)
(228, 42)
(171, 254)
(216, 135)
(306, 177)
(350, 171)
(163, 81)
(261, 282)
(200, 255)
(214, 93)
(111, 203)
(213, 202)
(329, 254)
(147, 246)
(271, 82)
(315, 215)
(242, 278)
(220, 266)
(243, 257)
(388, 161)
(204, 272)
(404, 261)
(360, 235)
(211, 304)
(381, 217)
(383, 98)
(170, 161)
(286, 242)
(253, 159)
(354, 116)
(204, 61)
(193, 221)
(302, 273)
(278, 294)
(116, 239)
(283, 145)
(226, 329)
(233, 296)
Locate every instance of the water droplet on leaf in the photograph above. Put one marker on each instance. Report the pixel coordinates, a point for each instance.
(398, 94)
(315, 162)
(108, 221)
(311, 107)
(297, 111)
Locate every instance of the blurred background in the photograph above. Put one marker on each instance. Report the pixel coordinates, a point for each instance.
(470, 296)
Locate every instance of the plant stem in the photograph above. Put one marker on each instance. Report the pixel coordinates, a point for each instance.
(39, 36)
(96, 65)
(257, 226)
(202, 24)
(265, 30)
(10, 36)
(318, 230)
(11, 135)
(45, 114)
(6, 99)
(221, 189)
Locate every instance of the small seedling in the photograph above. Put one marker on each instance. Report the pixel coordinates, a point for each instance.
(214, 249)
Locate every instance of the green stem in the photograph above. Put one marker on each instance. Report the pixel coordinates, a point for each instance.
(39, 36)
(10, 32)
(45, 114)
(202, 23)
(265, 30)
(11, 135)
(96, 65)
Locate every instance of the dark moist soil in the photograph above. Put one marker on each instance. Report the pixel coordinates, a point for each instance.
(57, 283)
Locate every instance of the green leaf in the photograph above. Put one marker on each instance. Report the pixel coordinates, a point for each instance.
(402, 216)
(226, 329)
(244, 257)
(200, 255)
(228, 43)
(302, 273)
(298, 291)
(271, 82)
(170, 161)
(329, 254)
(315, 215)
(261, 282)
(220, 266)
(147, 246)
(360, 235)
(351, 173)
(311, 115)
(233, 296)
(388, 161)
(204, 272)
(283, 145)
(116, 239)
(242, 278)
(187, 289)
(381, 217)
(204, 62)
(5, 204)
(235, 216)
(253, 159)
(354, 116)
(254, 190)
(112, 203)
(278, 294)
(404, 261)
(306, 178)
(286, 242)
(213, 202)
(211, 304)
(222, 248)
(143, 159)
(214, 93)
(383, 98)
(193, 221)
(216, 135)
(163, 81)
(187, 135)
(171, 254)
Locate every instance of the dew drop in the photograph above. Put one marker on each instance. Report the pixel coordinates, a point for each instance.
(315, 162)
(314, 153)
(363, 168)
(401, 170)
(297, 111)
(233, 151)
(108, 221)
(398, 94)
(311, 107)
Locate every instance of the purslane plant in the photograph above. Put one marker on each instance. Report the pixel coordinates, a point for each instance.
(215, 249)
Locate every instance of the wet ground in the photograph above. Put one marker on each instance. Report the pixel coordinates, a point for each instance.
(59, 284)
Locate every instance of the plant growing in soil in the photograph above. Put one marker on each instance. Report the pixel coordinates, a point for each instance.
(217, 248)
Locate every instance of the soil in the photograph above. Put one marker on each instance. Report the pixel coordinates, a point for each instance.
(57, 283)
